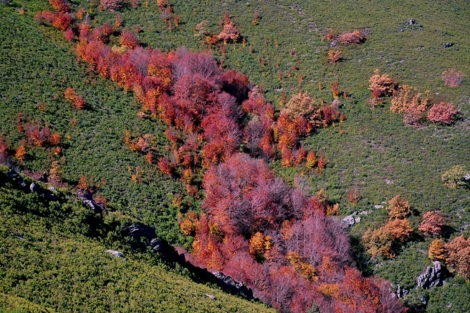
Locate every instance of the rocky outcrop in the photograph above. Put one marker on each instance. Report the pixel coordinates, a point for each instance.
(401, 292)
(87, 199)
(432, 276)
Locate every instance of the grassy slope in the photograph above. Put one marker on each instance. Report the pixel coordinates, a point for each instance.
(375, 146)
(48, 259)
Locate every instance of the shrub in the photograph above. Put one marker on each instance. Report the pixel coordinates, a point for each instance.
(111, 5)
(334, 56)
(442, 113)
(382, 84)
(456, 177)
(408, 99)
(355, 37)
(452, 78)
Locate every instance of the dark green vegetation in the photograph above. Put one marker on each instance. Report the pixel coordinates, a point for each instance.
(36, 64)
(53, 259)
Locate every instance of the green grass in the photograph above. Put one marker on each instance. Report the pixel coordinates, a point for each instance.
(50, 263)
(36, 64)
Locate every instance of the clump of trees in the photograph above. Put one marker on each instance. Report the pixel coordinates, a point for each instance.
(385, 240)
(407, 100)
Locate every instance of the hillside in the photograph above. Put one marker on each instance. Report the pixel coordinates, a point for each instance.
(283, 49)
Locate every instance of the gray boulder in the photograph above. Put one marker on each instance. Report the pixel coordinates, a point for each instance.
(431, 277)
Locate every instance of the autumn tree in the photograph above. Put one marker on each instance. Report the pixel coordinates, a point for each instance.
(128, 39)
(442, 113)
(334, 56)
(432, 223)
(230, 33)
(111, 5)
(385, 240)
(20, 153)
(355, 37)
(398, 207)
(457, 256)
(383, 84)
(437, 250)
(353, 195)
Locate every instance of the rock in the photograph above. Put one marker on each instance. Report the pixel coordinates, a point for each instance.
(378, 206)
(34, 188)
(357, 219)
(228, 281)
(138, 230)
(401, 292)
(17, 179)
(87, 198)
(431, 277)
(412, 21)
(448, 44)
(364, 212)
(117, 254)
(350, 220)
(210, 296)
(156, 244)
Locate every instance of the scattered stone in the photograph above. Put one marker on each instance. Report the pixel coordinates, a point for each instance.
(117, 254)
(34, 188)
(364, 212)
(210, 296)
(411, 24)
(17, 179)
(350, 220)
(431, 277)
(87, 198)
(378, 206)
(401, 292)
(156, 244)
(357, 219)
(448, 45)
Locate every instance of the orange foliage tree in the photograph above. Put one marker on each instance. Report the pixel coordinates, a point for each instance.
(457, 256)
(437, 250)
(398, 207)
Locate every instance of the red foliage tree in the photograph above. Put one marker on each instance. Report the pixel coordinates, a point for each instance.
(128, 39)
(432, 223)
(443, 113)
(69, 35)
(62, 21)
(61, 6)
